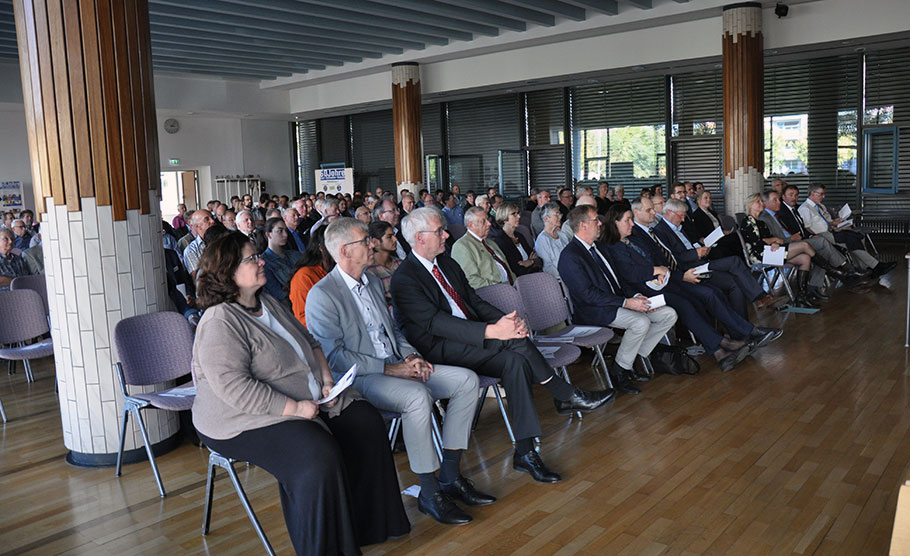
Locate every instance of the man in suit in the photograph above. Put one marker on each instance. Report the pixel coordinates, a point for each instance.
(678, 192)
(388, 211)
(729, 275)
(598, 299)
(834, 262)
(442, 316)
(346, 311)
(482, 261)
(692, 301)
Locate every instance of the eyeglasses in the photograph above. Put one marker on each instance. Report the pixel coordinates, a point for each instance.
(365, 241)
(254, 258)
(389, 210)
(438, 231)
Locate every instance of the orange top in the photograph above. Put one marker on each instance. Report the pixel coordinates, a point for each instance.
(301, 283)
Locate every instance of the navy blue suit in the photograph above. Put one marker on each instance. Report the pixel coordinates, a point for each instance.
(729, 274)
(593, 298)
(695, 304)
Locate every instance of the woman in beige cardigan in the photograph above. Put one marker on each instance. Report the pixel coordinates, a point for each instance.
(258, 372)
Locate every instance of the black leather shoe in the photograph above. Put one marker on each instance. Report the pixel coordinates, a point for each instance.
(883, 268)
(584, 400)
(729, 359)
(441, 508)
(531, 463)
(764, 336)
(463, 489)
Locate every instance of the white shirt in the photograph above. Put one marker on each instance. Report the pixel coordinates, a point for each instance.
(456, 310)
(276, 327)
(369, 313)
(399, 250)
(815, 222)
(503, 273)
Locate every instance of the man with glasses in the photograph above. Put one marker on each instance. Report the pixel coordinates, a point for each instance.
(388, 211)
(200, 222)
(598, 298)
(566, 201)
(482, 261)
(22, 233)
(454, 214)
(442, 316)
(346, 311)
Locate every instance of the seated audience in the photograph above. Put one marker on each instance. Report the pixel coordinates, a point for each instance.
(312, 267)
(363, 214)
(22, 233)
(598, 299)
(229, 219)
(639, 260)
(454, 214)
(551, 241)
(756, 236)
(537, 224)
(704, 218)
(245, 222)
(11, 265)
(34, 257)
(200, 221)
(346, 312)
(519, 253)
(604, 197)
(387, 211)
(330, 211)
(179, 221)
(385, 257)
(258, 374)
(449, 324)
(279, 262)
(566, 201)
(482, 262)
(28, 216)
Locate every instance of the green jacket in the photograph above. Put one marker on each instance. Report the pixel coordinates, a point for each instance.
(477, 263)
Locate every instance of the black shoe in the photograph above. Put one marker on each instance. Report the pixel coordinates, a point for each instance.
(623, 379)
(441, 508)
(883, 268)
(463, 489)
(763, 336)
(584, 400)
(815, 293)
(531, 463)
(729, 359)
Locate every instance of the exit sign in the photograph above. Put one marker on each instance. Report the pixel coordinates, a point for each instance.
(174, 161)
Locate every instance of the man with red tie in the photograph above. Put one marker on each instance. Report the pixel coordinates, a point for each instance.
(482, 261)
(447, 322)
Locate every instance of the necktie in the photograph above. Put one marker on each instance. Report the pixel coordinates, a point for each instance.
(799, 221)
(451, 291)
(818, 209)
(498, 261)
(667, 253)
(603, 268)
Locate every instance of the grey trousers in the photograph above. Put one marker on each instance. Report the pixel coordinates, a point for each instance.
(414, 400)
(864, 261)
(642, 332)
(826, 251)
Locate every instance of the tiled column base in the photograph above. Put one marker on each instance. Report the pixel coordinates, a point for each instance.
(739, 186)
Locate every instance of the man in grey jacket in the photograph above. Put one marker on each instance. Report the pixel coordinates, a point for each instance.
(346, 311)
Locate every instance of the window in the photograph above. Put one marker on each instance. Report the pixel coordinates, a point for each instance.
(880, 160)
(786, 144)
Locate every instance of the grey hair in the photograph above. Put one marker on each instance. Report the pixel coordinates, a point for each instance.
(339, 232)
(636, 204)
(586, 199)
(7, 232)
(765, 195)
(317, 204)
(473, 214)
(816, 187)
(419, 220)
(377, 210)
(549, 209)
(481, 198)
(675, 205)
(330, 202)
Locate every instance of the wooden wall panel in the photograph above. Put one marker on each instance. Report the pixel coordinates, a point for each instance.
(406, 106)
(87, 78)
(743, 74)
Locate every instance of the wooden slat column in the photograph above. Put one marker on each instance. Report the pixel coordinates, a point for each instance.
(743, 103)
(87, 85)
(406, 125)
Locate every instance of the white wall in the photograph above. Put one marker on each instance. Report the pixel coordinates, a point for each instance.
(267, 152)
(14, 157)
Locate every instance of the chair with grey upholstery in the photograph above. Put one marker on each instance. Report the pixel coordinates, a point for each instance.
(29, 324)
(37, 283)
(153, 349)
(546, 308)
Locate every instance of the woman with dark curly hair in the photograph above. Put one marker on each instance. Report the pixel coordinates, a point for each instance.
(258, 374)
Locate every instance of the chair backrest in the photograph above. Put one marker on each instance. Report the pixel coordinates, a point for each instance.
(23, 316)
(543, 300)
(727, 222)
(154, 348)
(456, 231)
(526, 233)
(740, 216)
(35, 283)
(504, 297)
(524, 219)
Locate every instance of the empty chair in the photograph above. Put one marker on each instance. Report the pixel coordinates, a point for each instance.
(36, 283)
(23, 320)
(217, 460)
(153, 349)
(545, 307)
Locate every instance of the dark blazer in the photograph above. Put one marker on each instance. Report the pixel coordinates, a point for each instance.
(702, 224)
(512, 254)
(792, 221)
(593, 300)
(403, 242)
(424, 314)
(686, 258)
(633, 268)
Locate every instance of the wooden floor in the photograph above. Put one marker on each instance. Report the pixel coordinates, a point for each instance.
(801, 449)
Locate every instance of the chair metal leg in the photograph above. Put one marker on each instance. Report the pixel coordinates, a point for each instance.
(505, 415)
(394, 427)
(437, 436)
(249, 509)
(209, 494)
(28, 370)
(148, 450)
(2, 413)
(483, 397)
(126, 415)
(599, 357)
(565, 374)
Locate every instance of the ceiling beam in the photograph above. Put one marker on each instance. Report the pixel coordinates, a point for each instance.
(555, 7)
(341, 13)
(173, 36)
(240, 34)
(241, 53)
(234, 65)
(609, 7)
(643, 4)
(210, 72)
(327, 36)
(502, 8)
(390, 10)
(272, 64)
(434, 7)
(190, 67)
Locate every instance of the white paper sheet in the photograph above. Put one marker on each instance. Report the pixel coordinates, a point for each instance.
(714, 237)
(547, 350)
(774, 257)
(657, 301)
(845, 224)
(845, 211)
(657, 284)
(341, 385)
(700, 269)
